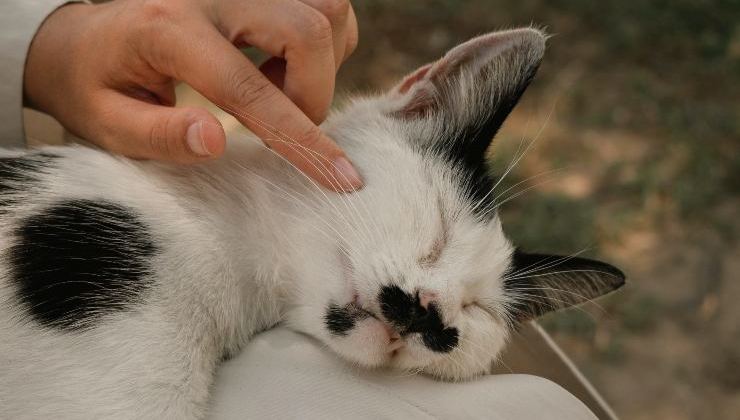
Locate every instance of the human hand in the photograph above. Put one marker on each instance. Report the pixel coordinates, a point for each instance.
(107, 73)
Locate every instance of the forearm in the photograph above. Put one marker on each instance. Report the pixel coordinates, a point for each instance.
(19, 20)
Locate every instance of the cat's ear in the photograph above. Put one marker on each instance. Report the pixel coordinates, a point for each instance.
(540, 283)
(473, 88)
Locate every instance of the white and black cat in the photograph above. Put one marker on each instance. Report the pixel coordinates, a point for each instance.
(123, 283)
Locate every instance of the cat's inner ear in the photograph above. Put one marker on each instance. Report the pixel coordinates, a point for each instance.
(541, 283)
(476, 83)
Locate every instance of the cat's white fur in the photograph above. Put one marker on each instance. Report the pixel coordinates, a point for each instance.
(247, 242)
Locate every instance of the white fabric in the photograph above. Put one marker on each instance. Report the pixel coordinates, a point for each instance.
(19, 20)
(282, 374)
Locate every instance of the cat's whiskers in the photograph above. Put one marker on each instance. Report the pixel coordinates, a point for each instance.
(281, 137)
(346, 201)
(495, 206)
(328, 173)
(351, 221)
(546, 264)
(566, 292)
(518, 155)
(301, 199)
(333, 210)
(297, 200)
(458, 364)
(543, 173)
(476, 346)
(294, 143)
(518, 158)
(549, 273)
(325, 197)
(548, 302)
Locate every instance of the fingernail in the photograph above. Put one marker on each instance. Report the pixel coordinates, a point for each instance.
(346, 174)
(195, 140)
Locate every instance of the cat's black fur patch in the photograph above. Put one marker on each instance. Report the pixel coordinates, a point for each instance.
(79, 260)
(441, 341)
(467, 150)
(340, 320)
(546, 283)
(397, 306)
(405, 312)
(18, 174)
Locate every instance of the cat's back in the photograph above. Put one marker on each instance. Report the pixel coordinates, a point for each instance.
(102, 263)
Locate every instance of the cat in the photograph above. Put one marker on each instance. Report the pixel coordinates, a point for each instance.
(123, 283)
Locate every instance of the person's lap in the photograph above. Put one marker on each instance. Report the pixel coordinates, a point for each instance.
(282, 374)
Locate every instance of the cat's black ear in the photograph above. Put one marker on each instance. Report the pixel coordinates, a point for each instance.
(540, 283)
(470, 91)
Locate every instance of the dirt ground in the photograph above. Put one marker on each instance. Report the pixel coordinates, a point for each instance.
(636, 111)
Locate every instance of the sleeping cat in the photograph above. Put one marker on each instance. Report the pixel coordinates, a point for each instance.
(123, 283)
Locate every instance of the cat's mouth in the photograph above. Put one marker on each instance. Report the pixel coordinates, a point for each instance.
(366, 309)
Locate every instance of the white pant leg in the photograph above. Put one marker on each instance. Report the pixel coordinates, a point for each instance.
(282, 374)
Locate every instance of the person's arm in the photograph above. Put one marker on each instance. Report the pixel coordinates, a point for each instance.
(19, 21)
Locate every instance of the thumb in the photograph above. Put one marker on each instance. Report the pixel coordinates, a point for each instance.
(143, 130)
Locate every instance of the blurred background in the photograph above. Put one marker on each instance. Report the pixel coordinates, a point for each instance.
(636, 122)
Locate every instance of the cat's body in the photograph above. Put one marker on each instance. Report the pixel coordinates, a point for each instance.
(123, 283)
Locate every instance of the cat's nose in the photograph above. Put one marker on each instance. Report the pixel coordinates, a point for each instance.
(417, 313)
(397, 306)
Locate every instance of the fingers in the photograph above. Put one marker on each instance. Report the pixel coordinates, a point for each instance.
(312, 37)
(212, 66)
(274, 70)
(147, 131)
(343, 26)
(353, 35)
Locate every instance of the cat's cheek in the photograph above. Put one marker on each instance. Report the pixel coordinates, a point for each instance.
(368, 344)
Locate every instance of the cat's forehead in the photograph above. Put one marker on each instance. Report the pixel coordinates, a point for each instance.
(413, 163)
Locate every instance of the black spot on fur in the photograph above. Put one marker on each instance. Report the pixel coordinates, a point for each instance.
(397, 306)
(541, 283)
(405, 312)
(441, 341)
(18, 174)
(467, 151)
(341, 319)
(79, 260)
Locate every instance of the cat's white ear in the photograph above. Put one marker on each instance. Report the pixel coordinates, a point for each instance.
(541, 283)
(479, 79)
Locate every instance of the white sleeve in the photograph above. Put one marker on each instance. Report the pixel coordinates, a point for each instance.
(19, 21)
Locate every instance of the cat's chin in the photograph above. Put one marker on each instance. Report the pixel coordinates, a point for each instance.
(370, 344)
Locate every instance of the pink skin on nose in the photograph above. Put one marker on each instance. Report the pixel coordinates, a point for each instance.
(425, 298)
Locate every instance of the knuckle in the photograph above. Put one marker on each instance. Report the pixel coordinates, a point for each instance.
(316, 29)
(154, 20)
(160, 139)
(156, 10)
(248, 88)
(333, 9)
(310, 138)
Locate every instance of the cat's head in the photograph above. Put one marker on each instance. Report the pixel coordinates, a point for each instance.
(422, 277)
